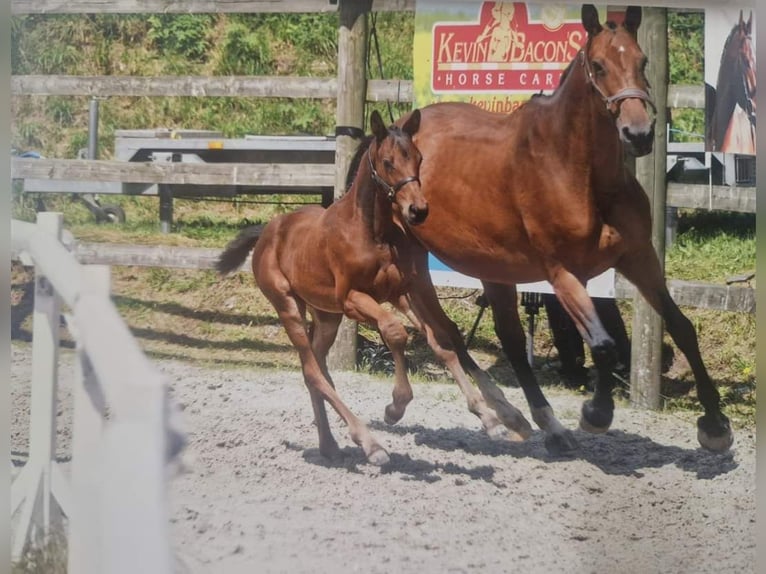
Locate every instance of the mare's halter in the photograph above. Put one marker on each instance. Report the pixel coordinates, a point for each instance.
(391, 189)
(623, 94)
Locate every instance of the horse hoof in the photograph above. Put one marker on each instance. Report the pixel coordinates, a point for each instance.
(595, 420)
(714, 435)
(378, 457)
(391, 416)
(561, 443)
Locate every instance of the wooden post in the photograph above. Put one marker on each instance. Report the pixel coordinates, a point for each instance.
(352, 90)
(646, 348)
(33, 485)
(85, 526)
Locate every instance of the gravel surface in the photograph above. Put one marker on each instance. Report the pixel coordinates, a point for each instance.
(256, 496)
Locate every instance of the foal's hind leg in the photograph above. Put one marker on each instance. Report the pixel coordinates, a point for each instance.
(505, 313)
(323, 334)
(643, 270)
(361, 307)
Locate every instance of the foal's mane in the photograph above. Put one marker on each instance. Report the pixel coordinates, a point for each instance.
(357, 159)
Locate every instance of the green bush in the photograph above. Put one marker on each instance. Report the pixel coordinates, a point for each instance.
(184, 35)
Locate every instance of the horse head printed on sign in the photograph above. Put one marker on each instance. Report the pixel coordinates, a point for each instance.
(730, 105)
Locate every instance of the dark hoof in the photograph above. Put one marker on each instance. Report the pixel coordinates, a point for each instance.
(391, 416)
(594, 419)
(562, 443)
(714, 433)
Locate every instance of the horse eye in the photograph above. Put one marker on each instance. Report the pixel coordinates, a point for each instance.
(598, 69)
(388, 165)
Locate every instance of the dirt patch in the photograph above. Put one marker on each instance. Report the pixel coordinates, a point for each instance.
(257, 496)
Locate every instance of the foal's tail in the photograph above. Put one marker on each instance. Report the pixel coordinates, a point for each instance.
(236, 252)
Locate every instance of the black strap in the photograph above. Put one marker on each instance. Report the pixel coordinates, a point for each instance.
(350, 131)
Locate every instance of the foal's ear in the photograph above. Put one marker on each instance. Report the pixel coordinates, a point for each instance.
(412, 124)
(590, 19)
(632, 19)
(378, 127)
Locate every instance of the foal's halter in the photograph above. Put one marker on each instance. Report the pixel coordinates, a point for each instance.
(391, 189)
(623, 94)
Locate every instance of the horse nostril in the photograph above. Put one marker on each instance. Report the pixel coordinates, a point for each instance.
(418, 214)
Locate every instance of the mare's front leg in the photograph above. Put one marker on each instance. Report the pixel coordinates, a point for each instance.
(361, 307)
(598, 412)
(642, 268)
(505, 313)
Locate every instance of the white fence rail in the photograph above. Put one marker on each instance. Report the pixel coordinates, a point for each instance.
(116, 499)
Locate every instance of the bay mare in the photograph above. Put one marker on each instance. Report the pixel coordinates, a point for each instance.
(543, 194)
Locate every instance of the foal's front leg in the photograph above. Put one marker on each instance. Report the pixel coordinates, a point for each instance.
(361, 307)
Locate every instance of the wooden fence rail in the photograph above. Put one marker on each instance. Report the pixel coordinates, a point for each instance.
(735, 298)
(116, 503)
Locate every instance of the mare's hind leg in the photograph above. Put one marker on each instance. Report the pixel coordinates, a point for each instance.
(598, 412)
(277, 291)
(644, 271)
(505, 312)
(361, 307)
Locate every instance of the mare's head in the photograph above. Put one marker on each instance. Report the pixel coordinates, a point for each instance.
(395, 166)
(615, 64)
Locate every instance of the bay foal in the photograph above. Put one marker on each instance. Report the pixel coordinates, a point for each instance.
(348, 259)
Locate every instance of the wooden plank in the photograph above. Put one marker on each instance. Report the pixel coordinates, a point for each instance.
(168, 6)
(255, 6)
(734, 298)
(682, 96)
(291, 87)
(721, 197)
(250, 174)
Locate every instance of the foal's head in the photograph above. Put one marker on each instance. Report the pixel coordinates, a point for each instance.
(615, 67)
(395, 166)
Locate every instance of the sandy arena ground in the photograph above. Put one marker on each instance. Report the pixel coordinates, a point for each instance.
(257, 496)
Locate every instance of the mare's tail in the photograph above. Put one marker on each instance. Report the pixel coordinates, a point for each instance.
(236, 252)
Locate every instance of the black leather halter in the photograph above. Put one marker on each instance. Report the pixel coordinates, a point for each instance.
(390, 189)
(623, 94)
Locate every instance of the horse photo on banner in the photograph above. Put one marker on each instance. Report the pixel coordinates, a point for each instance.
(495, 55)
(730, 81)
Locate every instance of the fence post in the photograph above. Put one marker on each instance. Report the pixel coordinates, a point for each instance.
(352, 91)
(34, 483)
(85, 526)
(646, 352)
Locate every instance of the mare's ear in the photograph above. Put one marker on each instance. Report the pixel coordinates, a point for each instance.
(632, 19)
(749, 25)
(412, 124)
(378, 127)
(590, 19)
